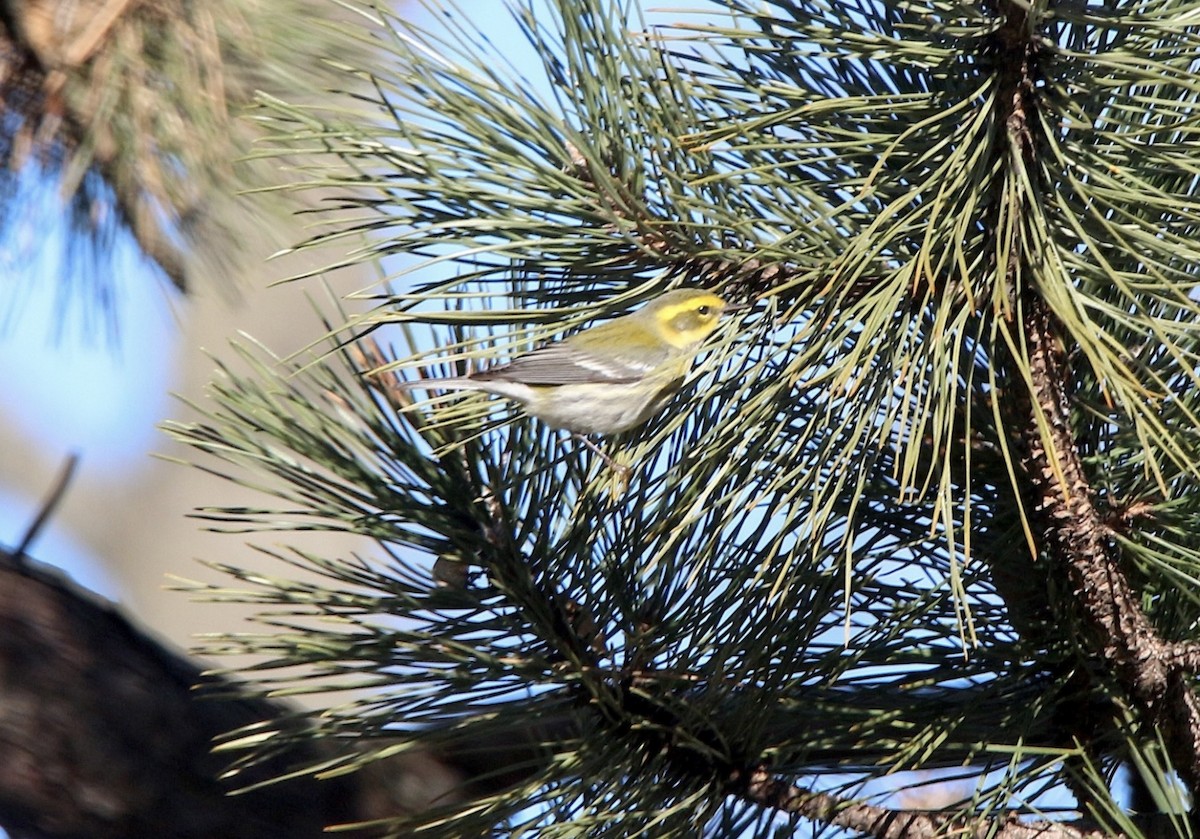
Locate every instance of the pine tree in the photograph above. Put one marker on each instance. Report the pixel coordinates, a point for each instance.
(914, 551)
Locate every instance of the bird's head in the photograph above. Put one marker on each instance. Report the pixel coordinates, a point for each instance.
(685, 317)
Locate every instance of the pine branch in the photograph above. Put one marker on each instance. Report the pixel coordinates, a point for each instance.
(884, 823)
(836, 465)
(1074, 530)
(1018, 578)
(104, 733)
(132, 109)
(1184, 656)
(1155, 672)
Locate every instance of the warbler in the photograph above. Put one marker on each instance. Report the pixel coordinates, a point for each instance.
(611, 377)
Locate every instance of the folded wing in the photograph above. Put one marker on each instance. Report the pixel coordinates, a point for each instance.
(562, 364)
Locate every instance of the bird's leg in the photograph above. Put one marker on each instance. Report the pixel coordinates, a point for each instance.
(621, 470)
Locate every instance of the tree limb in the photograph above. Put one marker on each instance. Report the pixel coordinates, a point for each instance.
(1185, 656)
(1067, 526)
(884, 823)
(104, 734)
(1155, 673)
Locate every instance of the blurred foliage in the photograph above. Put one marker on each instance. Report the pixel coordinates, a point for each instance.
(131, 108)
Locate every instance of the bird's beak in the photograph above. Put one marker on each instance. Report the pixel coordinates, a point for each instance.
(737, 307)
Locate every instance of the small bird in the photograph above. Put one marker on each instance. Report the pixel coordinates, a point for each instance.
(611, 377)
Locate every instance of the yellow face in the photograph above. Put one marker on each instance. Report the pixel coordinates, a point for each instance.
(686, 317)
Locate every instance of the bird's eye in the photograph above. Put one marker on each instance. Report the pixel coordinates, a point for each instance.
(703, 311)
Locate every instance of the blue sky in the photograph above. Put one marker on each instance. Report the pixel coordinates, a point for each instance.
(71, 383)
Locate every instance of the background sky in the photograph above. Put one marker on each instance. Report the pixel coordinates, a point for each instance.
(74, 381)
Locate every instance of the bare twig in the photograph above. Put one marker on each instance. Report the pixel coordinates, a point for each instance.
(57, 491)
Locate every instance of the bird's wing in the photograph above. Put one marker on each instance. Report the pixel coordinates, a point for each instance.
(562, 363)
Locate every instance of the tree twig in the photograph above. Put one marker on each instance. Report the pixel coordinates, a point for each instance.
(883, 823)
(57, 491)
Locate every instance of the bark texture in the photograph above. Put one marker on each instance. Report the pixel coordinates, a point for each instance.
(103, 732)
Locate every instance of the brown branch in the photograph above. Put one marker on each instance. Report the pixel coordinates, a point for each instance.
(104, 734)
(1155, 673)
(1020, 579)
(883, 823)
(1184, 656)
(1069, 528)
(51, 503)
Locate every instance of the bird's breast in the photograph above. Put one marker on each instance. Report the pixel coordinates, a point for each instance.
(601, 408)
